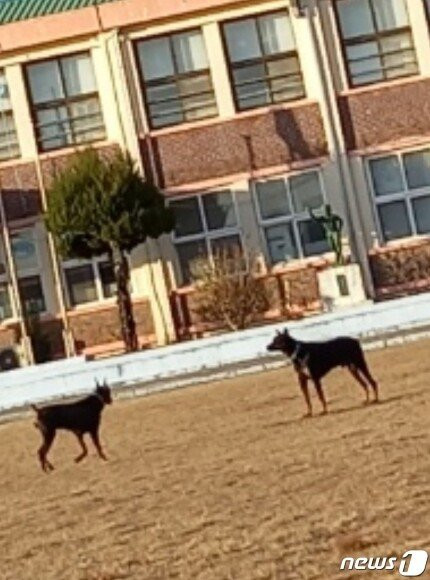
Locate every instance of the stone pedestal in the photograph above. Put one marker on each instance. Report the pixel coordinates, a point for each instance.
(341, 286)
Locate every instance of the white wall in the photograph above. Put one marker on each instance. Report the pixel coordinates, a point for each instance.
(179, 362)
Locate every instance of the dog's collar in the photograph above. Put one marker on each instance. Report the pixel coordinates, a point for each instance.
(295, 356)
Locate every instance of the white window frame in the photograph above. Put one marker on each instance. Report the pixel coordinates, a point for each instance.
(207, 235)
(406, 195)
(35, 270)
(94, 263)
(294, 217)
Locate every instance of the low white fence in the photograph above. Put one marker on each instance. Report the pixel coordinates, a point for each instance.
(75, 376)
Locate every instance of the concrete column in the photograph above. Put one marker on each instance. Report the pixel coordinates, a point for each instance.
(219, 70)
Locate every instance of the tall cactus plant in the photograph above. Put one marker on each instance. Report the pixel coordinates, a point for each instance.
(332, 225)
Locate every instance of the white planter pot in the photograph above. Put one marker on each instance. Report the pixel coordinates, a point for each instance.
(341, 286)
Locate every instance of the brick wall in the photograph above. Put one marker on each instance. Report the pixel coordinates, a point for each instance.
(20, 191)
(292, 293)
(101, 327)
(259, 141)
(401, 270)
(387, 114)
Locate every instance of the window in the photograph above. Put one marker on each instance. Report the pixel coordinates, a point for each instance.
(24, 250)
(176, 79)
(263, 60)
(65, 102)
(205, 224)
(89, 281)
(377, 40)
(9, 147)
(401, 191)
(283, 214)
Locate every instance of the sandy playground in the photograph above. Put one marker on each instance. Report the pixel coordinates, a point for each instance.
(225, 481)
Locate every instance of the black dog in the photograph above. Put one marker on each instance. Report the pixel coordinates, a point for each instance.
(80, 417)
(313, 360)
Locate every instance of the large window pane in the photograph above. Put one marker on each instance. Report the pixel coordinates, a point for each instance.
(187, 216)
(107, 278)
(31, 293)
(45, 82)
(386, 175)
(280, 243)
(156, 59)
(263, 61)
(242, 40)
(188, 253)
(175, 93)
(24, 250)
(417, 167)
(276, 34)
(306, 191)
(272, 199)
(377, 40)
(394, 220)
(65, 102)
(355, 18)
(78, 75)
(190, 52)
(421, 207)
(81, 284)
(390, 14)
(312, 238)
(231, 245)
(219, 210)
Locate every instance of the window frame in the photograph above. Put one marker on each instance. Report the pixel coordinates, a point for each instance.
(375, 37)
(174, 79)
(263, 59)
(35, 271)
(207, 235)
(98, 284)
(67, 102)
(295, 218)
(9, 115)
(406, 195)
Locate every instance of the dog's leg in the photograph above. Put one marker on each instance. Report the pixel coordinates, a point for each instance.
(96, 441)
(48, 438)
(303, 379)
(320, 394)
(373, 383)
(354, 371)
(83, 446)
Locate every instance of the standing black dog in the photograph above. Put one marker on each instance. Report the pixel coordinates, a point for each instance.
(313, 360)
(80, 417)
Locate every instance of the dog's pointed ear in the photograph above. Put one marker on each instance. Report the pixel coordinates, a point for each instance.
(278, 333)
(286, 333)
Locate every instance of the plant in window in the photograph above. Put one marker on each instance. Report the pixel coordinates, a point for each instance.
(332, 225)
(228, 291)
(102, 206)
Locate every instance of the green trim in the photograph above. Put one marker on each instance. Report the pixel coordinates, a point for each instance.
(15, 10)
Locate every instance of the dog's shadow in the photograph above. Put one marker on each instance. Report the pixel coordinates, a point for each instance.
(344, 411)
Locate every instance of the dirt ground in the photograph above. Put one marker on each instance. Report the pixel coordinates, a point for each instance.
(225, 481)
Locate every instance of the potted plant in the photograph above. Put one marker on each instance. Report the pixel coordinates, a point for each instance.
(342, 284)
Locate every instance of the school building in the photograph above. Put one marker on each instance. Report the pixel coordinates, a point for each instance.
(245, 113)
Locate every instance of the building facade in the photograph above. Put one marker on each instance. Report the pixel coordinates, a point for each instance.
(245, 114)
